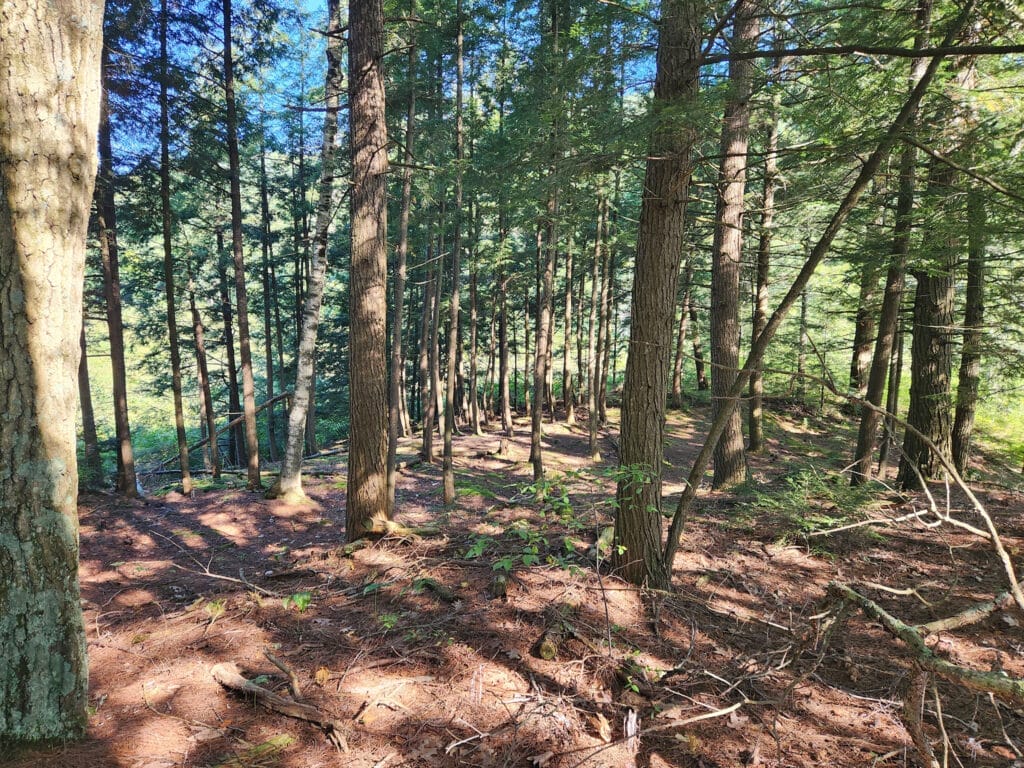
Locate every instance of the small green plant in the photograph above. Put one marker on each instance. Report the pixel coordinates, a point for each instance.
(388, 620)
(478, 547)
(300, 601)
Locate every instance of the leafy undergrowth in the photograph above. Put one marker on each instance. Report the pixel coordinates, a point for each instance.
(505, 640)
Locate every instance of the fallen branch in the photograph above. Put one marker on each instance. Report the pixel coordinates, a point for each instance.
(228, 675)
(293, 679)
(1007, 688)
(968, 616)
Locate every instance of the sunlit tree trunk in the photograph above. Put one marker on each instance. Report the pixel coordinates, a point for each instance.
(289, 483)
(568, 373)
(236, 441)
(974, 319)
(91, 473)
(49, 112)
(206, 398)
(367, 492)
(268, 300)
(638, 522)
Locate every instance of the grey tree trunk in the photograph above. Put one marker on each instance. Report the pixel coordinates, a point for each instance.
(49, 113)
(90, 474)
(206, 396)
(974, 320)
(367, 497)
(568, 372)
(727, 251)
(289, 483)
(684, 325)
(638, 523)
(593, 364)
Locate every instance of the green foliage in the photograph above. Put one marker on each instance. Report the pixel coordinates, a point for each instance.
(300, 601)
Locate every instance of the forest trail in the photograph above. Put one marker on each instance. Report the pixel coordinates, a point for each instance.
(406, 647)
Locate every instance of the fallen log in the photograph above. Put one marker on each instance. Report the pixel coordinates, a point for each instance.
(1007, 688)
(228, 675)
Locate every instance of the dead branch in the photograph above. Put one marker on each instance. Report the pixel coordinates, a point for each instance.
(913, 705)
(228, 675)
(969, 616)
(293, 679)
(1007, 688)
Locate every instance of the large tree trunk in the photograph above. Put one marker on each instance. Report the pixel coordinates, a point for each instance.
(49, 112)
(974, 319)
(727, 252)
(864, 329)
(396, 397)
(165, 209)
(252, 445)
(931, 346)
(638, 524)
(447, 464)
(106, 218)
(367, 497)
(289, 483)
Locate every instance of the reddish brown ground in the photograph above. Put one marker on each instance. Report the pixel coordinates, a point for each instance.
(418, 676)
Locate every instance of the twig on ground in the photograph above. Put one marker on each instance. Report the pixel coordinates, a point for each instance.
(293, 679)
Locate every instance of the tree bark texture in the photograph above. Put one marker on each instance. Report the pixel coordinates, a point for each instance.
(568, 372)
(727, 253)
(90, 474)
(252, 445)
(206, 397)
(49, 114)
(289, 483)
(593, 365)
(638, 524)
(367, 497)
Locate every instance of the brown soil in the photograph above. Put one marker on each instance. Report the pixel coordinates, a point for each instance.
(404, 644)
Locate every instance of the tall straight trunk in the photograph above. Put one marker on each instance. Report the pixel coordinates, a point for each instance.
(526, 351)
(252, 445)
(423, 364)
(892, 298)
(638, 523)
(892, 399)
(727, 251)
(367, 507)
(49, 103)
(433, 355)
(91, 473)
(684, 326)
(289, 482)
(492, 349)
(447, 465)
(236, 442)
(165, 209)
(699, 369)
(974, 318)
(106, 218)
(199, 338)
(821, 248)
(931, 347)
(568, 372)
(541, 360)
(268, 337)
(603, 325)
(503, 366)
(396, 398)
(474, 398)
(593, 347)
(755, 420)
(275, 292)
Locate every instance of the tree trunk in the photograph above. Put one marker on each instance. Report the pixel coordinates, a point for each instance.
(474, 398)
(367, 497)
(568, 395)
(289, 483)
(204, 376)
(974, 318)
(864, 330)
(106, 218)
(931, 346)
(268, 299)
(49, 102)
(503, 366)
(540, 365)
(395, 395)
(755, 420)
(638, 523)
(165, 209)
(892, 399)
(447, 463)
(727, 252)
(801, 349)
(698, 349)
(236, 442)
(603, 325)
(684, 324)
(593, 348)
(252, 445)
(432, 312)
(91, 474)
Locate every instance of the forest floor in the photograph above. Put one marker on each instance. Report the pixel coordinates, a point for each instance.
(410, 654)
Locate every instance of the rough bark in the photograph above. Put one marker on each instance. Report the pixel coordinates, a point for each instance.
(367, 497)
(974, 317)
(268, 300)
(727, 251)
(106, 219)
(165, 211)
(541, 359)
(593, 366)
(684, 325)
(289, 483)
(864, 329)
(395, 395)
(568, 373)
(236, 441)
(638, 523)
(49, 113)
(206, 396)
(503, 366)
